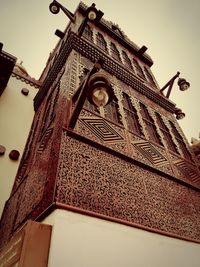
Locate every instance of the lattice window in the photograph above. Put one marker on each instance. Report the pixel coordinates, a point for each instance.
(149, 76)
(101, 41)
(131, 115)
(114, 52)
(166, 133)
(87, 33)
(112, 111)
(138, 69)
(180, 141)
(90, 106)
(151, 128)
(126, 60)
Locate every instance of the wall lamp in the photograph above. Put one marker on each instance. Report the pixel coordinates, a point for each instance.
(179, 114)
(182, 83)
(96, 87)
(92, 14)
(55, 7)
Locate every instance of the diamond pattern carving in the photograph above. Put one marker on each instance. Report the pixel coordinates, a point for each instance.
(102, 130)
(151, 153)
(188, 171)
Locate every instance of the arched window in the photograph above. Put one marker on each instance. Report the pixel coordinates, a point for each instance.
(131, 116)
(149, 76)
(87, 33)
(101, 41)
(114, 52)
(126, 60)
(166, 134)
(180, 141)
(138, 69)
(150, 126)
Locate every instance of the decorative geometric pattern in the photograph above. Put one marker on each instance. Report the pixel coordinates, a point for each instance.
(97, 181)
(102, 130)
(151, 153)
(188, 171)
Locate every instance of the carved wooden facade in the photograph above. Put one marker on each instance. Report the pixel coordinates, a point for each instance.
(129, 162)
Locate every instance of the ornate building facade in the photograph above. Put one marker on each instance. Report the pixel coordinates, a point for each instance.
(127, 166)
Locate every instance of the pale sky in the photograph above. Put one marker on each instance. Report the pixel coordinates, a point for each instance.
(169, 28)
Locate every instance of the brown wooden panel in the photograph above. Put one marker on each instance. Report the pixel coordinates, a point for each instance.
(28, 247)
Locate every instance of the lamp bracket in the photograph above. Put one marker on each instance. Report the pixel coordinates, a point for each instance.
(170, 84)
(68, 13)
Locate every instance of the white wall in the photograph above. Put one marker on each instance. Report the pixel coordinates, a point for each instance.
(83, 241)
(16, 115)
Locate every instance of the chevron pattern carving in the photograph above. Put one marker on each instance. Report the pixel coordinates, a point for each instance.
(101, 129)
(151, 153)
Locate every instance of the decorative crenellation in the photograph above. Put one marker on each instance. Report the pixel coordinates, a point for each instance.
(26, 79)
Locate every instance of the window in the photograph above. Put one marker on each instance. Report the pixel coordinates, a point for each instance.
(149, 75)
(90, 106)
(151, 128)
(88, 33)
(112, 111)
(166, 133)
(138, 69)
(180, 141)
(101, 41)
(126, 60)
(114, 52)
(131, 115)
